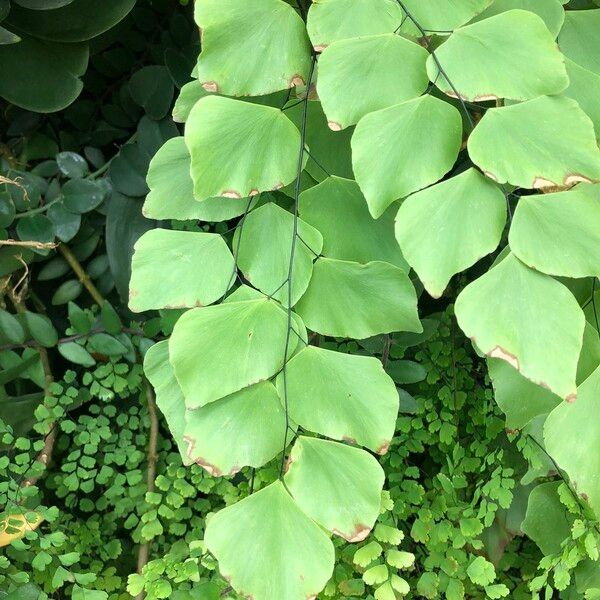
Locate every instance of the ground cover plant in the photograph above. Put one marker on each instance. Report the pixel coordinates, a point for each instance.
(299, 299)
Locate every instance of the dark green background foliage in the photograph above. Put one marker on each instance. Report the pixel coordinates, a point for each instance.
(95, 500)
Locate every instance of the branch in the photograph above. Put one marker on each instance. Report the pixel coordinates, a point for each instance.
(29, 244)
(81, 274)
(144, 551)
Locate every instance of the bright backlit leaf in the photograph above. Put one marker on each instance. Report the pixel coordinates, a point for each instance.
(401, 149)
(331, 20)
(253, 419)
(341, 396)
(347, 299)
(361, 75)
(446, 228)
(286, 555)
(223, 136)
(336, 485)
(251, 334)
(240, 56)
(527, 319)
(551, 11)
(442, 15)
(337, 208)
(172, 189)
(197, 270)
(264, 259)
(169, 398)
(510, 55)
(578, 39)
(571, 434)
(559, 234)
(546, 142)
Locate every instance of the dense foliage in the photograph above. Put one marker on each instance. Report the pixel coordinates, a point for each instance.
(304, 306)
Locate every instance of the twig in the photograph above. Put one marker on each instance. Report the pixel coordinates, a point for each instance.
(81, 274)
(29, 243)
(144, 551)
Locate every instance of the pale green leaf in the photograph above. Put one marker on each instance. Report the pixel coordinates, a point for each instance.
(240, 56)
(584, 88)
(446, 228)
(401, 149)
(196, 270)
(264, 258)
(347, 299)
(527, 319)
(547, 521)
(559, 234)
(172, 189)
(578, 39)
(551, 11)
(341, 396)
(571, 436)
(169, 397)
(497, 57)
(189, 94)
(228, 141)
(375, 72)
(337, 208)
(331, 20)
(250, 334)
(442, 15)
(336, 485)
(252, 418)
(268, 548)
(546, 142)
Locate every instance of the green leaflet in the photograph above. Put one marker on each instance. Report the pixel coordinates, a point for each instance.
(546, 142)
(336, 485)
(377, 72)
(578, 39)
(42, 76)
(520, 399)
(189, 94)
(169, 398)
(442, 15)
(286, 555)
(495, 58)
(546, 521)
(341, 396)
(559, 234)
(172, 189)
(238, 55)
(448, 227)
(223, 135)
(421, 138)
(251, 334)
(571, 434)
(264, 258)
(331, 20)
(337, 208)
(346, 299)
(551, 11)
(197, 269)
(253, 418)
(584, 88)
(77, 21)
(527, 319)
(330, 148)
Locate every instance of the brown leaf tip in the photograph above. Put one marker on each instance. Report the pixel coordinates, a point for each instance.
(211, 86)
(296, 80)
(320, 47)
(231, 194)
(571, 180)
(540, 182)
(570, 399)
(511, 359)
(383, 449)
(334, 126)
(359, 534)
